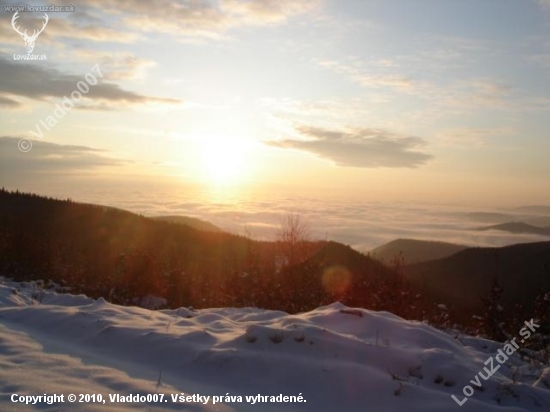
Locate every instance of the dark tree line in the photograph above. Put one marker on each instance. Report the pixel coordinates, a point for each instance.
(118, 255)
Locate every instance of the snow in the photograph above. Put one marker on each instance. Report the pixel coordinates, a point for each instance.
(337, 358)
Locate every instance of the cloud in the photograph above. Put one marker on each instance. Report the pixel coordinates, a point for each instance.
(8, 102)
(471, 94)
(283, 111)
(266, 11)
(201, 18)
(367, 148)
(473, 136)
(39, 82)
(98, 32)
(119, 66)
(456, 96)
(371, 80)
(364, 224)
(126, 21)
(441, 95)
(65, 27)
(49, 158)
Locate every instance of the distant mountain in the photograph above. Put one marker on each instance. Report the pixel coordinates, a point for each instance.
(529, 214)
(541, 221)
(536, 209)
(463, 279)
(489, 217)
(518, 228)
(415, 251)
(336, 254)
(195, 223)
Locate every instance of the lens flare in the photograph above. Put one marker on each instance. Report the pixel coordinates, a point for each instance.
(337, 280)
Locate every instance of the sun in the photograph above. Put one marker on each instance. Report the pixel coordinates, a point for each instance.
(224, 160)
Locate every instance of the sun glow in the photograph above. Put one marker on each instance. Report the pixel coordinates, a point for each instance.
(224, 160)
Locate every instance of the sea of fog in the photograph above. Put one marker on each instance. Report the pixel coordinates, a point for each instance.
(361, 223)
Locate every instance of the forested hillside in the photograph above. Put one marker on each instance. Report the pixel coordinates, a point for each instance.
(122, 256)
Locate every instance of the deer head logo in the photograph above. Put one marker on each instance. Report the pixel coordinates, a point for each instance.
(29, 40)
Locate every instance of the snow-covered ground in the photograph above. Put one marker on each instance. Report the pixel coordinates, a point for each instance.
(337, 358)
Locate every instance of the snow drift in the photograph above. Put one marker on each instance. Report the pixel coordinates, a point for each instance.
(337, 358)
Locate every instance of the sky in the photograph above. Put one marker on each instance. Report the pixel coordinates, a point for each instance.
(382, 100)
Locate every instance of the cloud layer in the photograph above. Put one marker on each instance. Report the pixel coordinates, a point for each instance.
(368, 148)
(39, 82)
(49, 158)
(126, 21)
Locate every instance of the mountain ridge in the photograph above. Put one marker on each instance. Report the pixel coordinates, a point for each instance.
(414, 250)
(518, 228)
(193, 222)
(465, 278)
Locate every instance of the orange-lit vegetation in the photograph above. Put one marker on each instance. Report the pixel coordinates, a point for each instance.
(119, 255)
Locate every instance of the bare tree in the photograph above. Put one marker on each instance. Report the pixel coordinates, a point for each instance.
(294, 236)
